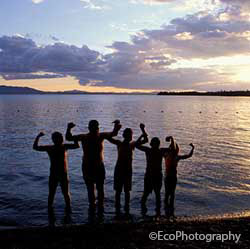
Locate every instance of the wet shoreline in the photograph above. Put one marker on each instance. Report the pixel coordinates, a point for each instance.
(126, 233)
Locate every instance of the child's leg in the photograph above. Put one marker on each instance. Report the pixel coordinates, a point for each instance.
(127, 189)
(91, 194)
(127, 201)
(172, 199)
(100, 178)
(117, 200)
(52, 191)
(118, 186)
(100, 195)
(158, 201)
(147, 191)
(172, 195)
(65, 191)
(143, 201)
(167, 191)
(157, 184)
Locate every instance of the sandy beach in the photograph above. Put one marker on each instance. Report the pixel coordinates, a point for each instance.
(129, 234)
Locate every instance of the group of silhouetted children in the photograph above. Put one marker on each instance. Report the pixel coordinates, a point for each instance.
(94, 171)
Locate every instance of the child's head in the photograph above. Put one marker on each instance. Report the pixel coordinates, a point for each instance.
(57, 138)
(128, 134)
(93, 126)
(155, 142)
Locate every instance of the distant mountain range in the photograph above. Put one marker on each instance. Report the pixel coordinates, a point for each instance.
(28, 90)
(18, 90)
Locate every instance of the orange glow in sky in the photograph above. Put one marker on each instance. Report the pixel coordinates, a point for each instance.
(64, 84)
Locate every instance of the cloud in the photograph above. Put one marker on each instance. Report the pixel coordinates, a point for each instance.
(148, 61)
(236, 2)
(168, 79)
(20, 76)
(21, 58)
(151, 60)
(53, 38)
(37, 1)
(22, 55)
(244, 5)
(151, 2)
(90, 4)
(200, 35)
(181, 5)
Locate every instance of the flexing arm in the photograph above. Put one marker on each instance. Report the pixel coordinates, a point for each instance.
(69, 135)
(143, 139)
(36, 146)
(142, 127)
(172, 146)
(188, 155)
(73, 146)
(117, 127)
(113, 141)
(142, 148)
(172, 142)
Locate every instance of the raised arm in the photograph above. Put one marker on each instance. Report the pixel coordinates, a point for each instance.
(143, 139)
(142, 127)
(172, 146)
(188, 155)
(69, 135)
(114, 141)
(36, 146)
(117, 127)
(73, 146)
(172, 142)
(142, 148)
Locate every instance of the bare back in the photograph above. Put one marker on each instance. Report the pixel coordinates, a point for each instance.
(125, 154)
(92, 146)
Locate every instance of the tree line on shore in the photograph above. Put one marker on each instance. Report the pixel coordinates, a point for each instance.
(218, 93)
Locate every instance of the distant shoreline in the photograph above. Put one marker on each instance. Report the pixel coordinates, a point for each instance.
(12, 90)
(219, 93)
(95, 93)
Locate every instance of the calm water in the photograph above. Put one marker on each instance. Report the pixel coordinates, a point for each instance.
(215, 181)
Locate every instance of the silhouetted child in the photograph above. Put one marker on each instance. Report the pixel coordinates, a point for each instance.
(93, 169)
(123, 168)
(58, 166)
(153, 174)
(171, 162)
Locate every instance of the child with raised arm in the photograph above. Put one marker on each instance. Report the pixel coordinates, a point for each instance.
(153, 174)
(123, 168)
(58, 167)
(93, 169)
(172, 159)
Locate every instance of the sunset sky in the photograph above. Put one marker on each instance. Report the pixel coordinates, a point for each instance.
(125, 45)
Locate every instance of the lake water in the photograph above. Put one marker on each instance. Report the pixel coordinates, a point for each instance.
(216, 180)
